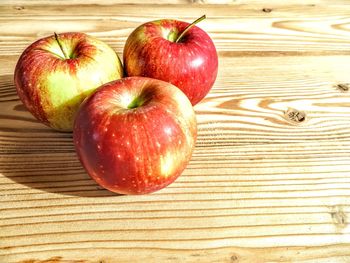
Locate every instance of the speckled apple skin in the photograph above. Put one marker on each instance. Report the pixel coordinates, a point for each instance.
(52, 87)
(191, 64)
(138, 150)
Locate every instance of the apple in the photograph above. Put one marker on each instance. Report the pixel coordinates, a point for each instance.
(55, 74)
(173, 51)
(135, 135)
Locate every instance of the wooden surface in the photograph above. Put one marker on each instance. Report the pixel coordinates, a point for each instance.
(269, 180)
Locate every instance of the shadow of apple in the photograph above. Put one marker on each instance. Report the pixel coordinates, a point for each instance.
(33, 156)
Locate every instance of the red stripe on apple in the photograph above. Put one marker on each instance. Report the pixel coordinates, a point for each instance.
(191, 64)
(135, 135)
(55, 74)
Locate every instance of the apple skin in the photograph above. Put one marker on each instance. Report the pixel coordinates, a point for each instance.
(191, 64)
(52, 86)
(137, 147)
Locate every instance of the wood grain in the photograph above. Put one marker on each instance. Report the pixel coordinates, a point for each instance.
(20, 3)
(268, 181)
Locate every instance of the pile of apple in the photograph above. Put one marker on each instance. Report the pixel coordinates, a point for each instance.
(135, 134)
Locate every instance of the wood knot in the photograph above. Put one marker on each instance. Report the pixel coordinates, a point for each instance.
(234, 258)
(343, 87)
(19, 7)
(339, 217)
(266, 10)
(295, 116)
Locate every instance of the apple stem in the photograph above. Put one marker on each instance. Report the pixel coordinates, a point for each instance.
(61, 47)
(189, 27)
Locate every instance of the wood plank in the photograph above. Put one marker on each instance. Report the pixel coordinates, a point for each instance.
(300, 30)
(237, 111)
(265, 184)
(20, 3)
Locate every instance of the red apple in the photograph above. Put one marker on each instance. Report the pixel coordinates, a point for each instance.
(135, 135)
(56, 73)
(173, 51)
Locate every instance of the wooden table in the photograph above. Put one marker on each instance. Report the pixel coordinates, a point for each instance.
(269, 180)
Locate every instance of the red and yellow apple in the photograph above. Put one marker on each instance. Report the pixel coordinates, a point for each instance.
(135, 135)
(173, 51)
(55, 74)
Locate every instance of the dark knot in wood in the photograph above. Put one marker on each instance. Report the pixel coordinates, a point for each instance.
(267, 10)
(295, 116)
(343, 86)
